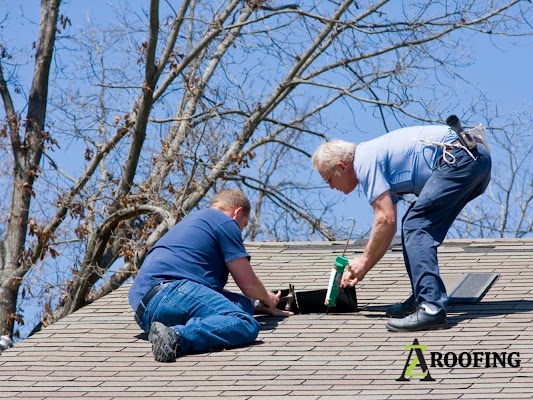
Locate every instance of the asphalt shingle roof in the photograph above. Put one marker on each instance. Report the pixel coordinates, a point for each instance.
(99, 352)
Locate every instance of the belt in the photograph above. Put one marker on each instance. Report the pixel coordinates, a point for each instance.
(455, 145)
(147, 297)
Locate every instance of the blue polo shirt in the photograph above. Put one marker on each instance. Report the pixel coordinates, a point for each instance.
(197, 248)
(398, 161)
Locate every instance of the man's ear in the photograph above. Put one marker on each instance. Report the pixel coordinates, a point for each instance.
(342, 165)
(237, 211)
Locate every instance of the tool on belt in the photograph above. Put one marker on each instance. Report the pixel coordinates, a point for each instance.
(335, 276)
(464, 136)
(468, 140)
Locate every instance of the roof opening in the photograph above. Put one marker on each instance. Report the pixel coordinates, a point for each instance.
(312, 301)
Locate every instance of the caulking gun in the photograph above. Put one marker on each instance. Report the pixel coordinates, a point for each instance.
(336, 275)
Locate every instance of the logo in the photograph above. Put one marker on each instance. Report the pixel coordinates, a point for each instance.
(413, 362)
(417, 367)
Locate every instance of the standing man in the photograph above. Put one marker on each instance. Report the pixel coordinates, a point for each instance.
(442, 174)
(178, 295)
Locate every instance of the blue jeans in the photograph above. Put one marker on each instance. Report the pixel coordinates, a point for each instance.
(203, 318)
(426, 223)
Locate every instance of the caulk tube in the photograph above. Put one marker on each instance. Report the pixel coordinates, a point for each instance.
(335, 281)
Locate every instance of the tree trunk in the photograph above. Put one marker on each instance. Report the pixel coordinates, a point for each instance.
(27, 153)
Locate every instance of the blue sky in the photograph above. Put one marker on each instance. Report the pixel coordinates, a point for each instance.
(503, 70)
(502, 67)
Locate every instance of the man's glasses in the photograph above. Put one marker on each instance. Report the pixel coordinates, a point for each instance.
(328, 179)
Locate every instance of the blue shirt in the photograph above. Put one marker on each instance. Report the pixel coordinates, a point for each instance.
(398, 162)
(197, 248)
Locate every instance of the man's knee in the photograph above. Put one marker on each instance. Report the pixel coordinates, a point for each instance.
(253, 326)
(249, 327)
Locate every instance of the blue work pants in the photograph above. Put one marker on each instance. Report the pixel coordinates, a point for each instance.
(450, 187)
(204, 319)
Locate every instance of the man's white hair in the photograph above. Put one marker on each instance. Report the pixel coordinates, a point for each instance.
(329, 154)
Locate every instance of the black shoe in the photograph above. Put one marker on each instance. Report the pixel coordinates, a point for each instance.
(403, 309)
(420, 320)
(165, 342)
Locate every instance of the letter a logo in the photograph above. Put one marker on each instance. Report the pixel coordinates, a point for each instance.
(417, 360)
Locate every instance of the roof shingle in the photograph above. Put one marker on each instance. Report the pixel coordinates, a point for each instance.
(99, 352)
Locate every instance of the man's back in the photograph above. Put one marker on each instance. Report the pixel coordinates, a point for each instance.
(197, 249)
(398, 161)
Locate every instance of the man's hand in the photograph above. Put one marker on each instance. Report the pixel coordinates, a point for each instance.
(354, 273)
(272, 310)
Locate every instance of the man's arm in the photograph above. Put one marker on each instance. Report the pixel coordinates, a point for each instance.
(383, 230)
(250, 284)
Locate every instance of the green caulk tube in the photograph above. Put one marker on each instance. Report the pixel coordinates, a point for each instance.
(335, 277)
(335, 281)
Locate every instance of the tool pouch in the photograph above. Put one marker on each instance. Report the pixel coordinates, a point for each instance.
(478, 133)
(469, 140)
(464, 137)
